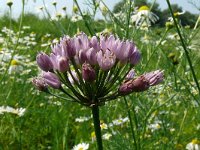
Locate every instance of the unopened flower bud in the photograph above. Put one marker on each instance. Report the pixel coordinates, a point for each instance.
(139, 84)
(94, 43)
(126, 87)
(75, 9)
(9, 3)
(64, 8)
(40, 84)
(63, 64)
(169, 25)
(54, 3)
(91, 56)
(82, 56)
(68, 47)
(52, 80)
(154, 77)
(44, 62)
(88, 73)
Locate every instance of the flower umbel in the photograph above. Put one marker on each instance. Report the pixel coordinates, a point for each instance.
(93, 70)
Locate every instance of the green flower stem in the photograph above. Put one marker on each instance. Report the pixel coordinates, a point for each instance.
(184, 46)
(131, 123)
(84, 19)
(128, 18)
(96, 121)
(156, 48)
(113, 16)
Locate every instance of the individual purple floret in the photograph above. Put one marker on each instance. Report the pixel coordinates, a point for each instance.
(44, 62)
(39, 83)
(106, 60)
(154, 77)
(60, 63)
(52, 80)
(88, 72)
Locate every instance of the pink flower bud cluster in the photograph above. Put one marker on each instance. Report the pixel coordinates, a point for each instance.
(141, 83)
(90, 67)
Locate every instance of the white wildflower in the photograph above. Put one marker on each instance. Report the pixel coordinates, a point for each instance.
(81, 146)
(144, 17)
(107, 136)
(194, 145)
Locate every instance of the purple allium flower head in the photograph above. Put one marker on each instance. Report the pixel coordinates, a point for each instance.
(44, 62)
(39, 83)
(154, 77)
(106, 60)
(52, 80)
(103, 62)
(88, 73)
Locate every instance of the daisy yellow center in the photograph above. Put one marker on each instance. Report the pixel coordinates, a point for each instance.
(143, 8)
(75, 9)
(93, 134)
(14, 63)
(176, 14)
(80, 148)
(195, 141)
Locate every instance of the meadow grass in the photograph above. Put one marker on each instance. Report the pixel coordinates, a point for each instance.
(164, 117)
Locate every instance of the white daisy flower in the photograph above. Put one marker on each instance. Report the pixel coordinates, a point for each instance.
(144, 17)
(106, 136)
(7, 109)
(81, 146)
(15, 67)
(82, 119)
(104, 126)
(176, 14)
(1, 40)
(76, 18)
(194, 145)
(119, 121)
